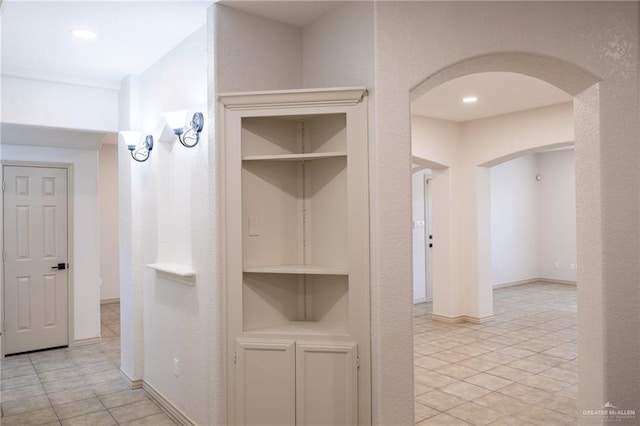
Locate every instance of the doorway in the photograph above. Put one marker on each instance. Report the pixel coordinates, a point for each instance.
(422, 235)
(464, 370)
(36, 282)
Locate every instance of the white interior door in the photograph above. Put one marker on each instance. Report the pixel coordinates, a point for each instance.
(35, 253)
(428, 238)
(422, 237)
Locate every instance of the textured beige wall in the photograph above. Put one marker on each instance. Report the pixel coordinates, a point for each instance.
(415, 40)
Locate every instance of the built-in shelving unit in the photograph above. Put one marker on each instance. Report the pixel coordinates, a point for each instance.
(297, 248)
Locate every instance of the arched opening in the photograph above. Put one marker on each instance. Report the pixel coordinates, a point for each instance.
(463, 287)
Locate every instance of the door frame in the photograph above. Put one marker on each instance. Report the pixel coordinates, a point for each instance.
(70, 282)
(428, 231)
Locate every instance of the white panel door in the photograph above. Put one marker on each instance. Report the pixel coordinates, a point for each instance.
(265, 383)
(35, 244)
(326, 384)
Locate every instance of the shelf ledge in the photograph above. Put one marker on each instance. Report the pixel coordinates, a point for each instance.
(181, 274)
(300, 327)
(295, 157)
(295, 269)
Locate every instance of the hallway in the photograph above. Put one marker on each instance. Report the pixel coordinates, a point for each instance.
(79, 386)
(518, 369)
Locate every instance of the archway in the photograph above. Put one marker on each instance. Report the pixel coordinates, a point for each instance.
(472, 180)
(468, 291)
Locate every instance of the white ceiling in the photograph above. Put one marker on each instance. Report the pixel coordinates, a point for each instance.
(132, 35)
(36, 43)
(498, 93)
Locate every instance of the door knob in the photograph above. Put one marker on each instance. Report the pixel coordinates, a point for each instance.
(60, 266)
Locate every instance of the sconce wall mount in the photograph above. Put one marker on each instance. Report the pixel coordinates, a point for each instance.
(138, 153)
(188, 136)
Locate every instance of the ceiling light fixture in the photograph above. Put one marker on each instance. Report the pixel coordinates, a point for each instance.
(470, 99)
(83, 33)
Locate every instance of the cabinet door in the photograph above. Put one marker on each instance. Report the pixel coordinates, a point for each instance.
(265, 383)
(326, 384)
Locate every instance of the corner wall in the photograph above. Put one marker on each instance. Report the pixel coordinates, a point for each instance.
(255, 53)
(249, 53)
(515, 231)
(557, 215)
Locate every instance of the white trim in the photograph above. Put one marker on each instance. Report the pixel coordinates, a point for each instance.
(419, 300)
(533, 281)
(168, 407)
(110, 301)
(87, 342)
(562, 282)
(461, 318)
(292, 98)
(516, 283)
(133, 384)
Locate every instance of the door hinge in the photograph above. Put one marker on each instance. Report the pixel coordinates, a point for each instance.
(357, 362)
(235, 357)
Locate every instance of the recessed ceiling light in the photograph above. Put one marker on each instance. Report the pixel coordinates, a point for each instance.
(82, 33)
(470, 99)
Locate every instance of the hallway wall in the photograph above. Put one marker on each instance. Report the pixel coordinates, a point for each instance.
(85, 263)
(109, 219)
(170, 224)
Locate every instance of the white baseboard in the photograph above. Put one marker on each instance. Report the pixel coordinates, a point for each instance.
(171, 410)
(420, 300)
(86, 342)
(461, 318)
(109, 301)
(516, 283)
(533, 281)
(133, 384)
(562, 282)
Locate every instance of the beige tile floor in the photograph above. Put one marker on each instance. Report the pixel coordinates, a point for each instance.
(518, 369)
(79, 386)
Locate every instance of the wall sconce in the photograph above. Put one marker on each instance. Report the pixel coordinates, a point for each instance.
(138, 153)
(188, 136)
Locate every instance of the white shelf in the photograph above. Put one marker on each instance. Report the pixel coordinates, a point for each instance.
(302, 327)
(181, 274)
(295, 157)
(295, 269)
